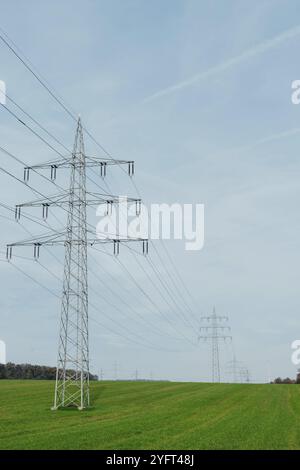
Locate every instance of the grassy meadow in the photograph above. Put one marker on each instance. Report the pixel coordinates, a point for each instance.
(152, 415)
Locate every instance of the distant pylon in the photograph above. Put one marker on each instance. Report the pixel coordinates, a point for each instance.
(237, 370)
(213, 327)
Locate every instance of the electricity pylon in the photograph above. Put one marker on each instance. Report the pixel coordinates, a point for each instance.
(214, 325)
(238, 371)
(245, 375)
(233, 368)
(72, 377)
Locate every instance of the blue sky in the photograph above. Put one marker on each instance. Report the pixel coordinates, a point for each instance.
(199, 95)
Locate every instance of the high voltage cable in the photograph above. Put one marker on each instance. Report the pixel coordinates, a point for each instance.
(35, 121)
(151, 300)
(164, 284)
(116, 294)
(28, 185)
(159, 290)
(57, 99)
(141, 289)
(178, 274)
(117, 322)
(33, 189)
(47, 143)
(169, 292)
(175, 290)
(25, 62)
(23, 163)
(40, 284)
(102, 297)
(107, 273)
(47, 88)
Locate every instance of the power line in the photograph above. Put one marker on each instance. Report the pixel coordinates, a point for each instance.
(162, 283)
(9, 43)
(124, 302)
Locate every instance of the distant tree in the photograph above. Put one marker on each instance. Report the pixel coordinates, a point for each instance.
(287, 380)
(29, 371)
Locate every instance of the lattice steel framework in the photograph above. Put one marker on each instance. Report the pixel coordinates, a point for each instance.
(212, 331)
(72, 378)
(238, 371)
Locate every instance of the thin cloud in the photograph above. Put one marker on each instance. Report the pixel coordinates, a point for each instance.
(252, 52)
(268, 139)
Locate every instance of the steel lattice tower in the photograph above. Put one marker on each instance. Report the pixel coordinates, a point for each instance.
(72, 376)
(213, 327)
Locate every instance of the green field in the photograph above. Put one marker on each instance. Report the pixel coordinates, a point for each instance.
(152, 415)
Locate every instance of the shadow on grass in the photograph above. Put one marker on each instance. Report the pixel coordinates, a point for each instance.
(95, 395)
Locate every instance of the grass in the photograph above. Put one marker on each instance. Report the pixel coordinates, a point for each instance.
(152, 415)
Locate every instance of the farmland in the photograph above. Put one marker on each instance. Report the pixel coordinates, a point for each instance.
(152, 415)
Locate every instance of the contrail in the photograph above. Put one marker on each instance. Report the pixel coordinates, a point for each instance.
(252, 52)
(266, 140)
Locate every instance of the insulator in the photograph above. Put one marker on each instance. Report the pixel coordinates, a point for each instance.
(116, 247)
(103, 169)
(53, 172)
(8, 252)
(145, 247)
(109, 207)
(36, 250)
(138, 207)
(131, 168)
(26, 174)
(18, 213)
(45, 211)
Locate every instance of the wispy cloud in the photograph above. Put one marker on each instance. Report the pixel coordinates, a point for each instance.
(266, 140)
(278, 136)
(226, 65)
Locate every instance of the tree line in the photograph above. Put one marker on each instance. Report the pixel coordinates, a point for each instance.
(30, 371)
(279, 380)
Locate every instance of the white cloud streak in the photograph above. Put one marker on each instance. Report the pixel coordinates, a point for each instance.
(228, 64)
